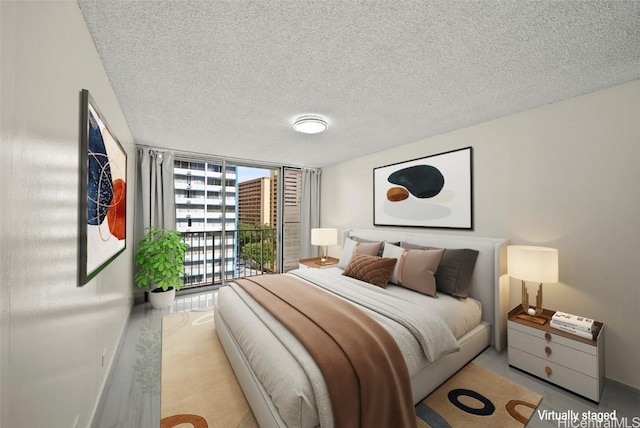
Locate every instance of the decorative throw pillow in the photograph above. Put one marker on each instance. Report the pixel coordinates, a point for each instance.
(372, 269)
(383, 243)
(454, 272)
(349, 247)
(415, 269)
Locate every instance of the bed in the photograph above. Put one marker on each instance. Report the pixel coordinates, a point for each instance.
(281, 382)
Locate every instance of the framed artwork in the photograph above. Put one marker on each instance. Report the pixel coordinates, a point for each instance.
(103, 193)
(433, 191)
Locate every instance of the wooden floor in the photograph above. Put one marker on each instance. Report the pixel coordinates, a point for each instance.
(132, 395)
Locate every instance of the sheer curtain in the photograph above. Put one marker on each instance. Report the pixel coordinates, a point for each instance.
(309, 210)
(155, 198)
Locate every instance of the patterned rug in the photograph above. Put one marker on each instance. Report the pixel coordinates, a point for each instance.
(199, 389)
(477, 397)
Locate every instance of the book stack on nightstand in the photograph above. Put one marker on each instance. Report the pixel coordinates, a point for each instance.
(315, 263)
(565, 359)
(576, 325)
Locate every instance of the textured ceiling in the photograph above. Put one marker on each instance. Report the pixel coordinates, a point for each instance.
(228, 78)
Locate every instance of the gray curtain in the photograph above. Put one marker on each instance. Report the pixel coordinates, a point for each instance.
(155, 198)
(309, 210)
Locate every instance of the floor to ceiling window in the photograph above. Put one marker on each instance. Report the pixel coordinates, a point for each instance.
(239, 220)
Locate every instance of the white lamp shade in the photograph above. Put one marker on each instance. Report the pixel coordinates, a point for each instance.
(324, 236)
(535, 264)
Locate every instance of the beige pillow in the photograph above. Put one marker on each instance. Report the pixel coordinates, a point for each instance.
(415, 269)
(368, 248)
(350, 246)
(454, 271)
(372, 269)
(357, 239)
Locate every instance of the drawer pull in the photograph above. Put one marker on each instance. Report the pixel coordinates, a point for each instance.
(547, 350)
(547, 336)
(548, 371)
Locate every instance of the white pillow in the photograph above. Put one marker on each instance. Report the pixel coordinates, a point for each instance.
(347, 250)
(394, 252)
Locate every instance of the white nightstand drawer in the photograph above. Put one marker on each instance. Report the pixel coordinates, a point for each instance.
(555, 352)
(567, 360)
(579, 383)
(554, 338)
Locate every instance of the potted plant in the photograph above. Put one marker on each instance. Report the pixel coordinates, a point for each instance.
(160, 260)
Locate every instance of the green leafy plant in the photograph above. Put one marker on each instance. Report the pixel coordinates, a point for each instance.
(160, 258)
(257, 246)
(260, 254)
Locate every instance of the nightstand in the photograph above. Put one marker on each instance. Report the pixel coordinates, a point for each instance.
(314, 262)
(566, 360)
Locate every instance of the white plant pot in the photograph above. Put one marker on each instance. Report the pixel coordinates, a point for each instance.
(162, 299)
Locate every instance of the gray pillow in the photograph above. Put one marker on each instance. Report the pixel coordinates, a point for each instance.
(454, 271)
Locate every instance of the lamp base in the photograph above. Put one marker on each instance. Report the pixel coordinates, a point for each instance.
(323, 256)
(531, 314)
(531, 318)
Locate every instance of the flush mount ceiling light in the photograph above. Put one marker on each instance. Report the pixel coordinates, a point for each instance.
(310, 124)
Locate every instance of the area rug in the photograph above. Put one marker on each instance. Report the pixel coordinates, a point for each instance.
(198, 387)
(200, 390)
(477, 397)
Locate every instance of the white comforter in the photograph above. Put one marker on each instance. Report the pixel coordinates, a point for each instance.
(422, 326)
(394, 313)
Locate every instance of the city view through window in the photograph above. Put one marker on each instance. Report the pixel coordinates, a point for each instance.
(234, 221)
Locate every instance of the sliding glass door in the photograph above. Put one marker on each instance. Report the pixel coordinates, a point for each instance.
(239, 220)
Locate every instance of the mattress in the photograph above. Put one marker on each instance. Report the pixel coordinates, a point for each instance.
(294, 383)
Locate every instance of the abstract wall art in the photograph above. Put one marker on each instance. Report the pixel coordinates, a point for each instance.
(433, 191)
(103, 193)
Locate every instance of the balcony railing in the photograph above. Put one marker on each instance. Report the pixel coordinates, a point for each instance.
(210, 259)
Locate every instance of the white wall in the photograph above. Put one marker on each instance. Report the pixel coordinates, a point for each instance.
(564, 175)
(53, 332)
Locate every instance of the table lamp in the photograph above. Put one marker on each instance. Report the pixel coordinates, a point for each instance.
(534, 264)
(324, 237)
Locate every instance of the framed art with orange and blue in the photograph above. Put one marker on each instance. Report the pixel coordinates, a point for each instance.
(103, 193)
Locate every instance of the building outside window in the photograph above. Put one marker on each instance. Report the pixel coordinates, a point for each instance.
(201, 213)
(233, 221)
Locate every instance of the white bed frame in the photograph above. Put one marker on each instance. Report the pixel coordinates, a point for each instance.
(489, 285)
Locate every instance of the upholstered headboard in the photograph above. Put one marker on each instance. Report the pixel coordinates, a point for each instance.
(489, 283)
